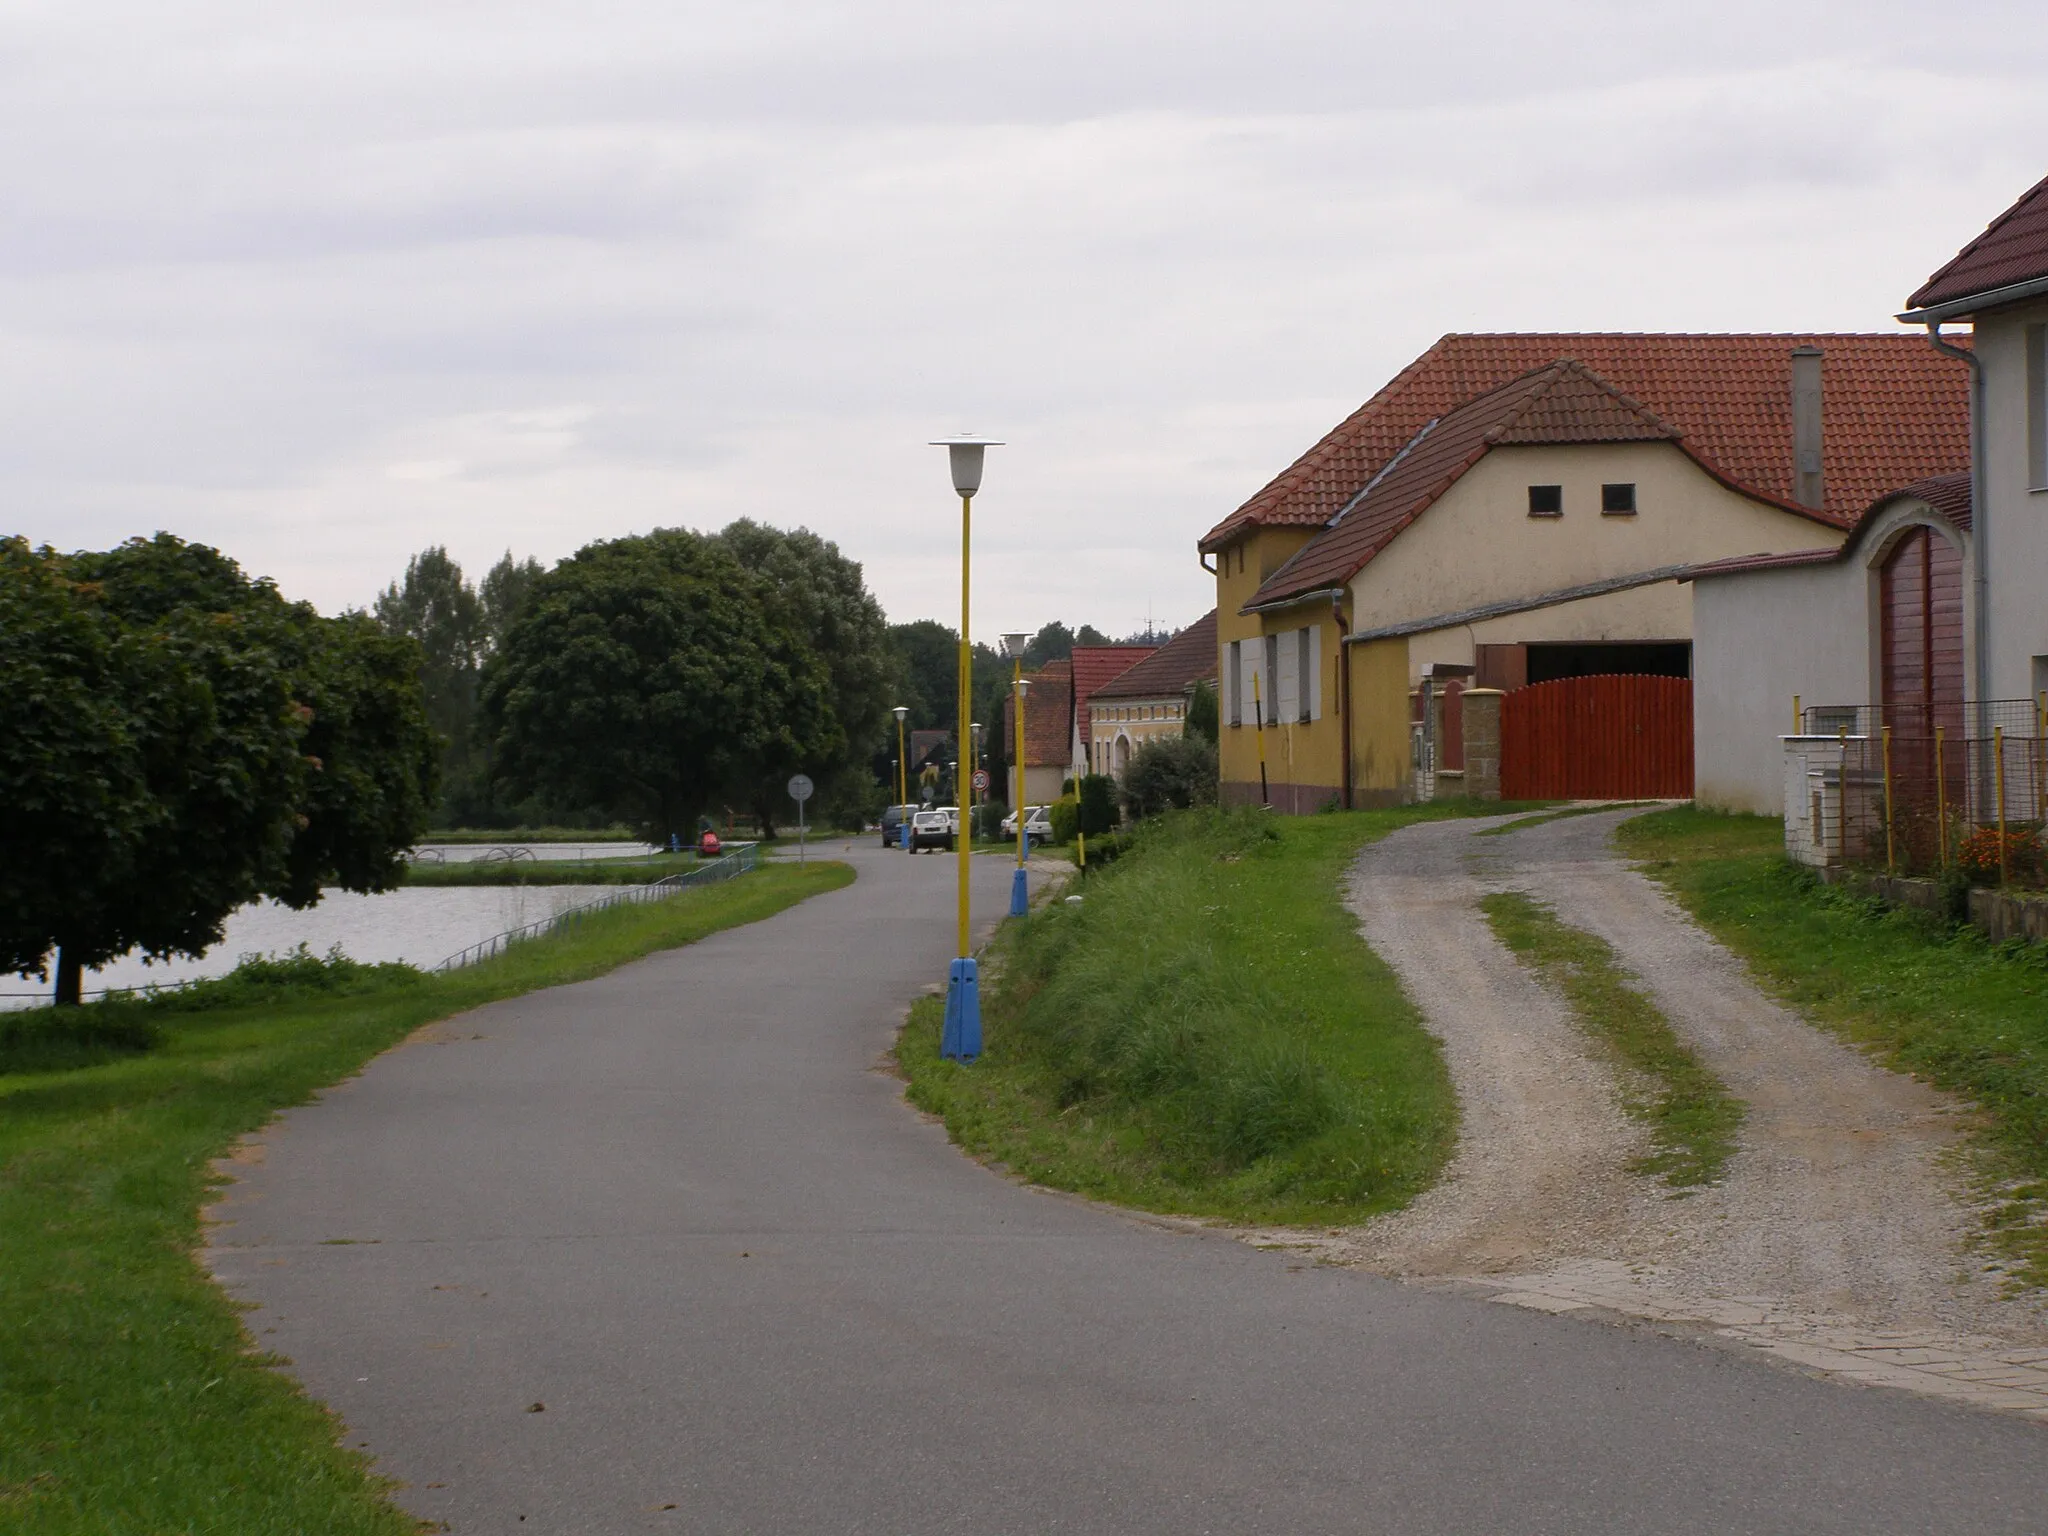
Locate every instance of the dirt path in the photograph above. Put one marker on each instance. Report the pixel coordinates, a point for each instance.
(1839, 1239)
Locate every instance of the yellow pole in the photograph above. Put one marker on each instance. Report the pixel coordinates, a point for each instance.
(1842, 797)
(1259, 729)
(902, 767)
(1891, 862)
(1940, 797)
(965, 743)
(1797, 719)
(1998, 771)
(1017, 687)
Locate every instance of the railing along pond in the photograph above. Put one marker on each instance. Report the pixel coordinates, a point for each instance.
(737, 860)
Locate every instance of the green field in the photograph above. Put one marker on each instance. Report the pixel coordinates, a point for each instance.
(131, 1401)
(1930, 998)
(1204, 1033)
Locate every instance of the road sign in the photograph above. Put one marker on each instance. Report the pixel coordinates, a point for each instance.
(981, 781)
(800, 788)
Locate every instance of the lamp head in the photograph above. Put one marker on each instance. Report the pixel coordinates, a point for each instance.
(1013, 645)
(1023, 685)
(964, 449)
(899, 712)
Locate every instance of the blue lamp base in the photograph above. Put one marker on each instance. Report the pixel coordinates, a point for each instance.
(961, 1039)
(1020, 893)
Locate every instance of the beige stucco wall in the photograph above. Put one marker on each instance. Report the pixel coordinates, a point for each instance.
(1762, 638)
(1661, 611)
(1136, 721)
(2015, 517)
(1478, 545)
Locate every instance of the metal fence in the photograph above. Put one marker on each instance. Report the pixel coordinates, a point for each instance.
(736, 860)
(1972, 720)
(1913, 798)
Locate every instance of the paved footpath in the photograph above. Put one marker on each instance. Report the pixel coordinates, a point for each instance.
(680, 1210)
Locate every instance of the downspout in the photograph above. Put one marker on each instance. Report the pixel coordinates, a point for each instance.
(1343, 692)
(1980, 519)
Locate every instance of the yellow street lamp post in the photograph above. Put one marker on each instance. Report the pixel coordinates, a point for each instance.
(902, 769)
(961, 1039)
(1020, 893)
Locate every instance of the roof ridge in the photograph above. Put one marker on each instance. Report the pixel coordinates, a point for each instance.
(2022, 202)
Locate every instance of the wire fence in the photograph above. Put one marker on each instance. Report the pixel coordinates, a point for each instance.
(1912, 798)
(738, 859)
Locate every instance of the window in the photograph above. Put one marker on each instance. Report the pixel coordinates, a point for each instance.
(1618, 500)
(1233, 684)
(1546, 501)
(1304, 670)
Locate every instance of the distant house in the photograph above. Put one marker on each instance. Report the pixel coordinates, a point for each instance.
(1935, 612)
(1516, 509)
(1150, 700)
(1048, 733)
(1095, 666)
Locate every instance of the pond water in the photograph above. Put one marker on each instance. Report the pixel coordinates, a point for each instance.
(469, 853)
(419, 925)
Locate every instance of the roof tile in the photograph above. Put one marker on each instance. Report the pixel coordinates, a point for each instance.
(2012, 249)
(1188, 658)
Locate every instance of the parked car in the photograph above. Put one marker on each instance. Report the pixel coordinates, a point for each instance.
(929, 830)
(1037, 825)
(893, 818)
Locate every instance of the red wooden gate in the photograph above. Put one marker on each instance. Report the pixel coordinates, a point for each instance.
(1598, 738)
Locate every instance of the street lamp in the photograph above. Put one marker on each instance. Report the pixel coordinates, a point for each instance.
(1013, 647)
(902, 769)
(961, 1040)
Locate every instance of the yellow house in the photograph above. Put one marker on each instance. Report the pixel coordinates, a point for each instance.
(1532, 528)
(1150, 700)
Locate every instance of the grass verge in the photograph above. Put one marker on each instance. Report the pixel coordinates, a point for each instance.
(1206, 1033)
(1691, 1114)
(130, 1401)
(1548, 816)
(1934, 999)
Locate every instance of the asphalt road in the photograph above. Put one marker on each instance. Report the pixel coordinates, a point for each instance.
(681, 1209)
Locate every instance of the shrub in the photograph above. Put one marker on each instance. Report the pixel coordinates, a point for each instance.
(1098, 803)
(1203, 719)
(1978, 855)
(1169, 773)
(1065, 814)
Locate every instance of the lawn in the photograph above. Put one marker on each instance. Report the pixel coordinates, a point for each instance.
(1204, 1033)
(1931, 998)
(131, 1400)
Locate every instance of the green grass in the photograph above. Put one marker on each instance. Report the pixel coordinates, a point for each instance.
(131, 1402)
(1691, 1115)
(1934, 999)
(1206, 1033)
(1548, 816)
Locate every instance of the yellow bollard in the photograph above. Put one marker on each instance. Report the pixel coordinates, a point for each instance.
(1940, 798)
(1891, 862)
(1798, 720)
(1998, 773)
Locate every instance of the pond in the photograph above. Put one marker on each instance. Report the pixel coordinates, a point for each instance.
(422, 926)
(469, 853)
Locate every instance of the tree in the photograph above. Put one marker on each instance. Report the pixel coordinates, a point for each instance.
(438, 608)
(927, 672)
(1203, 720)
(818, 595)
(648, 674)
(1169, 773)
(180, 740)
(504, 593)
(1097, 795)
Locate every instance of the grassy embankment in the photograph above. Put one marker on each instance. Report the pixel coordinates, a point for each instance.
(1205, 1033)
(1933, 999)
(637, 869)
(1691, 1115)
(128, 1400)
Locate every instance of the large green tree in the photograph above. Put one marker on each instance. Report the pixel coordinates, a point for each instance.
(647, 675)
(436, 606)
(177, 740)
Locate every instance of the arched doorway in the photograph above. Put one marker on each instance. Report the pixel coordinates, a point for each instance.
(1921, 634)
(1120, 755)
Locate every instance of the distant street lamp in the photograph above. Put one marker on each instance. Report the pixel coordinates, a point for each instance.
(1020, 892)
(961, 1040)
(974, 767)
(902, 770)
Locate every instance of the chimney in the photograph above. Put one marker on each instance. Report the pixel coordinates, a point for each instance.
(1806, 476)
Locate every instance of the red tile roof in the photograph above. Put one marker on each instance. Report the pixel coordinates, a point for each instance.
(1095, 665)
(1947, 494)
(1048, 717)
(2012, 249)
(1563, 402)
(1188, 658)
(1893, 410)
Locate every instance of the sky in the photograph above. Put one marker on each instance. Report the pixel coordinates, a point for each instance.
(325, 285)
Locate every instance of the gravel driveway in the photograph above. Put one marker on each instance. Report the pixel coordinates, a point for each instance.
(1839, 1239)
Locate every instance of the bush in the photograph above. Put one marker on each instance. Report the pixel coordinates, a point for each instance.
(1203, 718)
(1097, 795)
(1169, 773)
(1065, 814)
(1978, 857)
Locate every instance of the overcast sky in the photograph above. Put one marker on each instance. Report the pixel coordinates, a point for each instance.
(325, 285)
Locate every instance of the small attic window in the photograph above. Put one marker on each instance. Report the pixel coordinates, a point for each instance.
(1618, 500)
(1546, 501)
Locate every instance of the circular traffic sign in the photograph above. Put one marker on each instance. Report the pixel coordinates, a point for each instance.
(980, 779)
(800, 788)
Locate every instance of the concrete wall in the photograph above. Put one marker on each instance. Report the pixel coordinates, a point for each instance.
(1478, 544)
(2015, 517)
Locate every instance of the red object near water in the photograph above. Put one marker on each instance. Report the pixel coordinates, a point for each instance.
(707, 845)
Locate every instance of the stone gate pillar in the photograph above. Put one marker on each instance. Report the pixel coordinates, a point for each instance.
(1482, 742)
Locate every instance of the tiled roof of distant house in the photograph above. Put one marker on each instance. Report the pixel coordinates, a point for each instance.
(1947, 494)
(1048, 717)
(1893, 410)
(2012, 249)
(1095, 665)
(1563, 402)
(1188, 658)
(923, 744)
